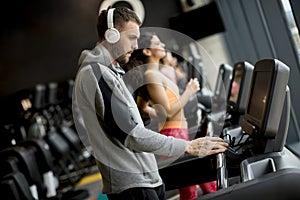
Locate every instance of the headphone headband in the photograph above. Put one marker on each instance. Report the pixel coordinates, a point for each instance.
(110, 18)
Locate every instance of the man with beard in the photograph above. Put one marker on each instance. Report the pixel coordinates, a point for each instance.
(107, 118)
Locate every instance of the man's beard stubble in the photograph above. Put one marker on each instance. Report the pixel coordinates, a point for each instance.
(122, 60)
(119, 54)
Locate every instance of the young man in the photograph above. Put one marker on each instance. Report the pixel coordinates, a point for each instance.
(107, 117)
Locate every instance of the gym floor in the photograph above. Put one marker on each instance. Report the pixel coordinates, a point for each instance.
(93, 184)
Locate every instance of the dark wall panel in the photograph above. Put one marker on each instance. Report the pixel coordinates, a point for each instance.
(199, 23)
(158, 12)
(41, 40)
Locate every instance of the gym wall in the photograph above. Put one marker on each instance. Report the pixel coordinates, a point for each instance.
(40, 41)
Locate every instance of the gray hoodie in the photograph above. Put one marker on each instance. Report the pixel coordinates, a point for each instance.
(107, 119)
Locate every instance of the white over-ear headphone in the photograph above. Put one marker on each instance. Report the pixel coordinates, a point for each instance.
(112, 35)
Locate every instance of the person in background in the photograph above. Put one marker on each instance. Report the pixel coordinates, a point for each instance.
(158, 89)
(173, 70)
(107, 118)
(170, 70)
(168, 66)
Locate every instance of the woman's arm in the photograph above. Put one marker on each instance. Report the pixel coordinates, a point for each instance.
(150, 111)
(158, 94)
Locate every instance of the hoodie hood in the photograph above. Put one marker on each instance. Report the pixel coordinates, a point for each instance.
(97, 55)
(101, 56)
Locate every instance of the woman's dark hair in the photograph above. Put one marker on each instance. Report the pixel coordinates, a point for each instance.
(144, 42)
(135, 80)
(136, 66)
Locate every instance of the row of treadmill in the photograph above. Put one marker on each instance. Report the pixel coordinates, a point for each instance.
(250, 110)
(41, 155)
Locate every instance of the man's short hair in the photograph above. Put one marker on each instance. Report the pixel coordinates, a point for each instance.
(120, 17)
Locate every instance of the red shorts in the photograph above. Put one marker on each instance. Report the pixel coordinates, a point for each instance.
(189, 192)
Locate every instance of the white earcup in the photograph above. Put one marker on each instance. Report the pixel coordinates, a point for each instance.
(112, 35)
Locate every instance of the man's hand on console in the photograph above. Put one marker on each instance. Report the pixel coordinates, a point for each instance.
(205, 146)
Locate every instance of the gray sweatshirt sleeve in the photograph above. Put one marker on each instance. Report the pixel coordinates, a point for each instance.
(142, 139)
